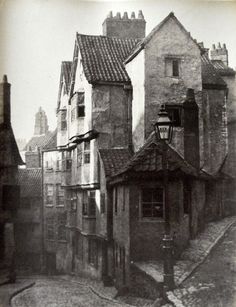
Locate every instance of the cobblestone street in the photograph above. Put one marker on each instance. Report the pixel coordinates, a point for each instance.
(60, 293)
(214, 282)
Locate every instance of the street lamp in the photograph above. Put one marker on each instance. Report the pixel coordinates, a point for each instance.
(163, 130)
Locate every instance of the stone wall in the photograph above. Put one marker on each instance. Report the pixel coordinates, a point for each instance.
(170, 41)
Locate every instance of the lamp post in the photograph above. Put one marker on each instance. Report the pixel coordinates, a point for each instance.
(163, 130)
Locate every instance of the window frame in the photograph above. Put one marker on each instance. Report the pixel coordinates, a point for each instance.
(86, 152)
(47, 195)
(171, 109)
(152, 203)
(170, 68)
(59, 196)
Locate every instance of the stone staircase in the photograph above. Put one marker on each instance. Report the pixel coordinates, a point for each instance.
(192, 256)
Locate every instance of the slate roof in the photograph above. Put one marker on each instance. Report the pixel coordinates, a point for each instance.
(114, 159)
(52, 142)
(210, 76)
(30, 181)
(9, 152)
(223, 69)
(38, 141)
(103, 57)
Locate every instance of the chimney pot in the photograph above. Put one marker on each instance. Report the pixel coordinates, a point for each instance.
(213, 46)
(4, 79)
(224, 46)
(110, 15)
(133, 15)
(125, 16)
(218, 46)
(118, 16)
(140, 14)
(190, 94)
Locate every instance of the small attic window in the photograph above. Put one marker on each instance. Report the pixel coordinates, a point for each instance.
(172, 67)
(175, 68)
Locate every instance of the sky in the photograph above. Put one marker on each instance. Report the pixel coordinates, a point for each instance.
(37, 35)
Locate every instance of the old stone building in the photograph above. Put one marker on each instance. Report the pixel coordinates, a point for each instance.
(111, 163)
(9, 188)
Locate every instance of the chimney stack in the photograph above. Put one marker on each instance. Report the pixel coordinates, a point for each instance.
(219, 53)
(5, 103)
(191, 130)
(124, 27)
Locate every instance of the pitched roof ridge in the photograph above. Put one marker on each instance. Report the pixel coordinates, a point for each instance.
(146, 39)
(108, 37)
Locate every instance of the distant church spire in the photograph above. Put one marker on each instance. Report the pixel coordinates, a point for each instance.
(41, 122)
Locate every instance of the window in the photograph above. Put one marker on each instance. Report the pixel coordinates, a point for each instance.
(58, 164)
(61, 231)
(152, 202)
(172, 67)
(66, 160)
(73, 201)
(63, 121)
(175, 114)
(79, 155)
(89, 203)
(92, 252)
(60, 195)
(49, 194)
(175, 68)
(79, 108)
(86, 152)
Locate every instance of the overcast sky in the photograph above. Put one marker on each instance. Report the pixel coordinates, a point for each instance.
(36, 35)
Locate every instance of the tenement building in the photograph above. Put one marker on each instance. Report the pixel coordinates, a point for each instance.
(105, 208)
